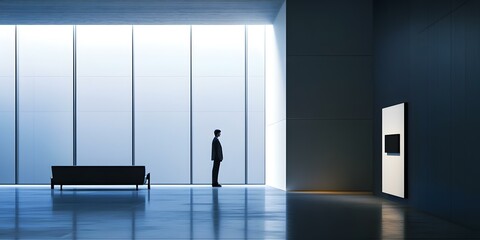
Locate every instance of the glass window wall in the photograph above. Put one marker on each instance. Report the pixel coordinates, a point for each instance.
(183, 82)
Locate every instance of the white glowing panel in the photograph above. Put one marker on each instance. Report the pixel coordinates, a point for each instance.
(393, 164)
(256, 104)
(7, 104)
(275, 102)
(104, 95)
(218, 97)
(45, 93)
(162, 102)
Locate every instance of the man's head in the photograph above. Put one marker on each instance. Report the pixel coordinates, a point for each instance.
(217, 132)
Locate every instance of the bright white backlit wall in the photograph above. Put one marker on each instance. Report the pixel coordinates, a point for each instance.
(393, 165)
(275, 105)
(45, 133)
(133, 95)
(7, 104)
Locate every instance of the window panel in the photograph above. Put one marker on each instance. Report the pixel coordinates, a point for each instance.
(256, 104)
(7, 104)
(45, 59)
(162, 102)
(104, 95)
(218, 91)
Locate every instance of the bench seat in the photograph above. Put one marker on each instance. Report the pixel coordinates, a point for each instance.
(99, 175)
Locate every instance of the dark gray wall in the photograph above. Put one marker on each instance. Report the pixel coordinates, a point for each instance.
(329, 95)
(427, 53)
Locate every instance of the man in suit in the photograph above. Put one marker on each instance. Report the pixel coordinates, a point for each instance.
(217, 157)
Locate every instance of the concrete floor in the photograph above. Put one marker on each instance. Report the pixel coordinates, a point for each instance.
(200, 212)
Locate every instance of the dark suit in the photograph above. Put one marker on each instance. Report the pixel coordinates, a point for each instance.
(217, 157)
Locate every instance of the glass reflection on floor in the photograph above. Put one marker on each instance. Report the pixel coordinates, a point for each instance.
(203, 212)
(123, 213)
(392, 223)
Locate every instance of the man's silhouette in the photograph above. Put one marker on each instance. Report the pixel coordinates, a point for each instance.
(217, 157)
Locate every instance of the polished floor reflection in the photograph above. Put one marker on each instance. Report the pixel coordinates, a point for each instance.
(200, 212)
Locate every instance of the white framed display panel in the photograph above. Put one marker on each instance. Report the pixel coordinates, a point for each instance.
(393, 164)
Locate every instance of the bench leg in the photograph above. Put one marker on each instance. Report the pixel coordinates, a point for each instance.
(51, 183)
(137, 187)
(148, 178)
(61, 187)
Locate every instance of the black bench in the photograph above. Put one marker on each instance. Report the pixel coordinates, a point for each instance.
(99, 175)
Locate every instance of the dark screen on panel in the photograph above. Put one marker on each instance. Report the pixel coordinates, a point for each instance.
(392, 143)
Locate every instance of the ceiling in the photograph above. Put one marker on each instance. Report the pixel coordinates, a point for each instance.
(138, 11)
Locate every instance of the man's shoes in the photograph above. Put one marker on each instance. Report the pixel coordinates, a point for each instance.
(216, 185)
